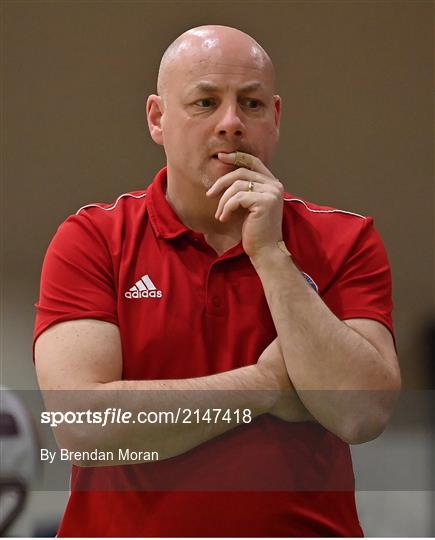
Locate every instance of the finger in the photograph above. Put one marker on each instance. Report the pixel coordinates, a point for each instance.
(242, 199)
(243, 159)
(239, 186)
(225, 181)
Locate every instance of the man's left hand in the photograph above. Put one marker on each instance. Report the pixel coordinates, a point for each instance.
(257, 190)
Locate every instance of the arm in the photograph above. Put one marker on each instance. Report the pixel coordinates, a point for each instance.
(346, 374)
(85, 356)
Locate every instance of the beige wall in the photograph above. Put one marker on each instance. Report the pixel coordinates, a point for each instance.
(356, 79)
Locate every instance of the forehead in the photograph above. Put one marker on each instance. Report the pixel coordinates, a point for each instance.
(218, 62)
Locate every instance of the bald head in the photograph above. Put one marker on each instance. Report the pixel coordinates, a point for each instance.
(220, 43)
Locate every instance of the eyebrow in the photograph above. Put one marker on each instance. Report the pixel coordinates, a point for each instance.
(205, 86)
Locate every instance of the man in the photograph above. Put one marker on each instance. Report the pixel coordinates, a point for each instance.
(214, 279)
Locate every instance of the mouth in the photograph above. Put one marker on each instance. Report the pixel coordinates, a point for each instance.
(215, 155)
(221, 163)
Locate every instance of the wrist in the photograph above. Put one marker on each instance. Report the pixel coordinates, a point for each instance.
(276, 251)
(265, 394)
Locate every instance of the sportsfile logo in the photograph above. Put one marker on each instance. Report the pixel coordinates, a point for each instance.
(143, 288)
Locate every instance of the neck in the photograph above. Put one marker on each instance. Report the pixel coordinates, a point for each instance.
(196, 211)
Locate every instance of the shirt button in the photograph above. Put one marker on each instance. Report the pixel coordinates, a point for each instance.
(216, 301)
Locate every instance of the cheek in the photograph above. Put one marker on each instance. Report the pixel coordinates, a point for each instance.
(272, 133)
(268, 139)
(174, 139)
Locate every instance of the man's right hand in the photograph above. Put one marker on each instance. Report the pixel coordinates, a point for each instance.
(287, 405)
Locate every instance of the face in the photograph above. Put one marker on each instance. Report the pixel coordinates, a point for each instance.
(217, 99)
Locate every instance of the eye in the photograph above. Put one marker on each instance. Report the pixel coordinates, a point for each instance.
(251, 103)
(205, 103)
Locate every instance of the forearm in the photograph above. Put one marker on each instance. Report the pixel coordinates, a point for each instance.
(234, 393)
(79, 368)
(235, 390)
(339, 376)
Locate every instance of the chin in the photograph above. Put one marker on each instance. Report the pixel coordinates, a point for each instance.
(207, 177)
(207, 180)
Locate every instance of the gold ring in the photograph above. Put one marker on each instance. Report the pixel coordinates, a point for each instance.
(251, 186)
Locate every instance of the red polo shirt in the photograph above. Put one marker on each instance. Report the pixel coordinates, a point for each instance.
(184, 312)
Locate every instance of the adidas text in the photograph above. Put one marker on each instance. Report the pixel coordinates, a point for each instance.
(144, 294)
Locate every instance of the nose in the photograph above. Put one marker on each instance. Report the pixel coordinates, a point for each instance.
(230, 121)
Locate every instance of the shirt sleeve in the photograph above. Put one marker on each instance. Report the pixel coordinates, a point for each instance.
(362, 286)
(77, 280)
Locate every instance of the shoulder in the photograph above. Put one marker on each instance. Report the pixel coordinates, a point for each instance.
(127, 209)
(315, 212)
(318, 232)
(130, 201)
(323, 221)
(101, 224)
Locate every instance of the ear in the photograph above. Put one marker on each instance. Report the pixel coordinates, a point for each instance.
(278, 110)
(154, 109)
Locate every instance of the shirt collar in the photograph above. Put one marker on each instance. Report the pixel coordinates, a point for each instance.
(164, 220)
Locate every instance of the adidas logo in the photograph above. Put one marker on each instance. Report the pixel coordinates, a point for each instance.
(143, 288)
